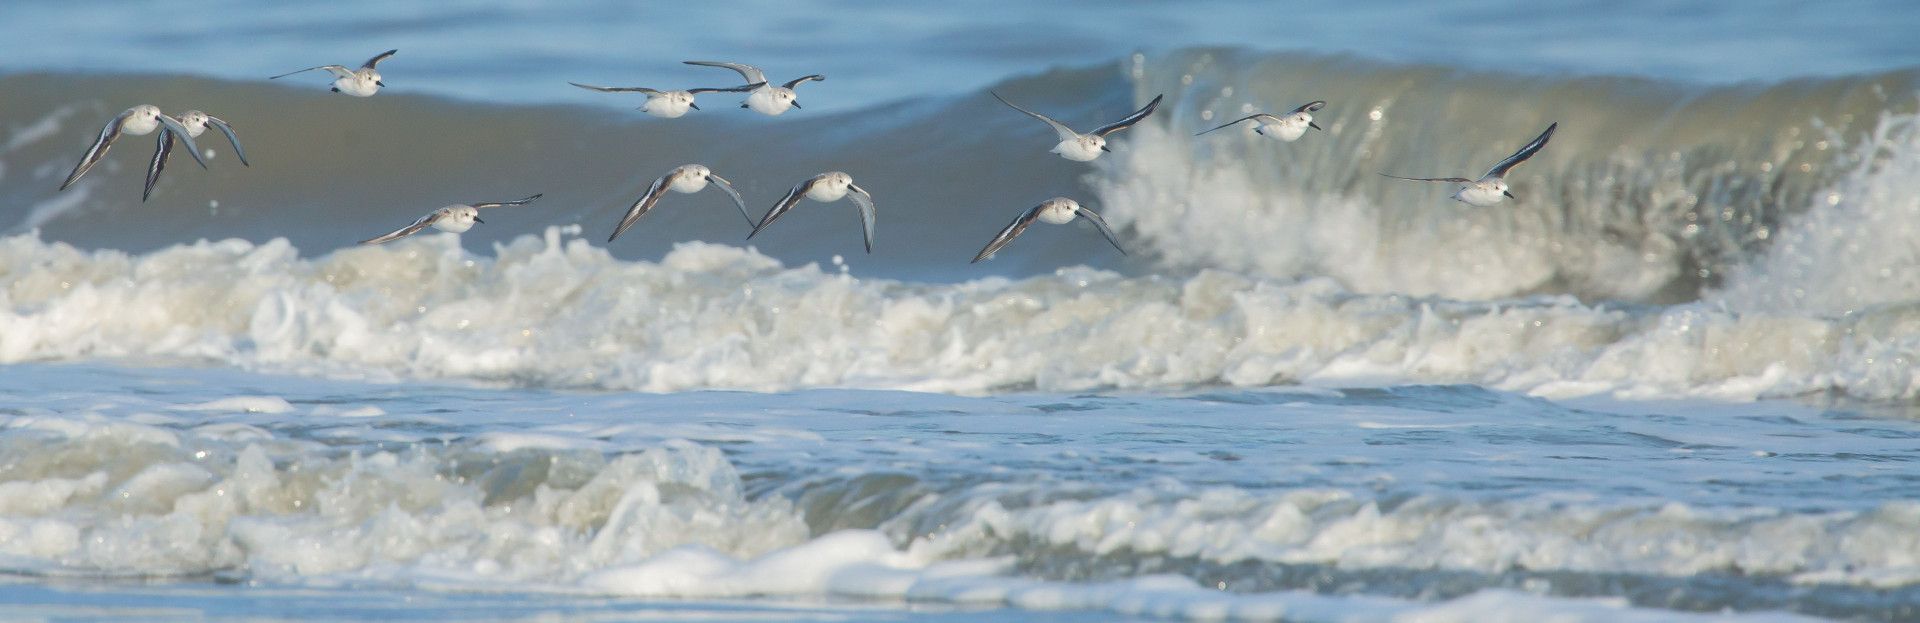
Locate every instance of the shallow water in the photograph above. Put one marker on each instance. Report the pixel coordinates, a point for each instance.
(1385, 501)
(1674, 380)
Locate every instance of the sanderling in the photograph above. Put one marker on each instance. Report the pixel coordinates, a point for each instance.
(196, 123)
(668, 104)
(362, 82)
(138, 121)
(1083, 147)
(455, 218)
(765, 99)
(686, 178)
(829, 186)
(1489, 189)
(1058, 211)
(1288, 127)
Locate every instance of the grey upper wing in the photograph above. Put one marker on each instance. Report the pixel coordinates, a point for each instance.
(616, 89)
(727, 187)
(1252, 116)
(796, 81)
(865, 202)
(1008, 233)
(751, 73)
(741, 88)
(786, 203)
(161, 150)
(231, 137)
(98, 150)
(644, 204)
(375, 61)
(338, 71)
(408, 230)
(498, 204)
(1101, 224)
(193, 149)
(1065, 132)
(1430, 179)
(1311, 106)
(1531, 148)
(1130, 119)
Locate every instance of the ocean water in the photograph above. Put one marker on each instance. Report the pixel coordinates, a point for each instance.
(1673, 381)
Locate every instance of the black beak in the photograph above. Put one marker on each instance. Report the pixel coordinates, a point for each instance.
(380, 83)
(477, 220)
(693, 106)
(1104, 148)
(1509, 195)
(1315, 126)
(796, 103)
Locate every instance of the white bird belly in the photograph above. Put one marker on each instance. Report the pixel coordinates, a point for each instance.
(688, 184)
(1057, 216)
(663, 108)
(1075, 150)
(825, 192)
(762, 101)
(1473, 194)
(354, 86)
(1285, 132)
(139, 126)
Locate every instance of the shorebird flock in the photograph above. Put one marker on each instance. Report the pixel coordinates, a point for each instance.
(762, 97)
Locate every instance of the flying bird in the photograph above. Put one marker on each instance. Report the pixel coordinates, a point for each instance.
(1058, 211)
(765, 99)
(139, 121)
(455, 218)
(1084, 147)
(1288, 127)
(668, 104)
(828, 187)
(196, 123)
(362, 82)
(1491, 188)
(686, 178)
